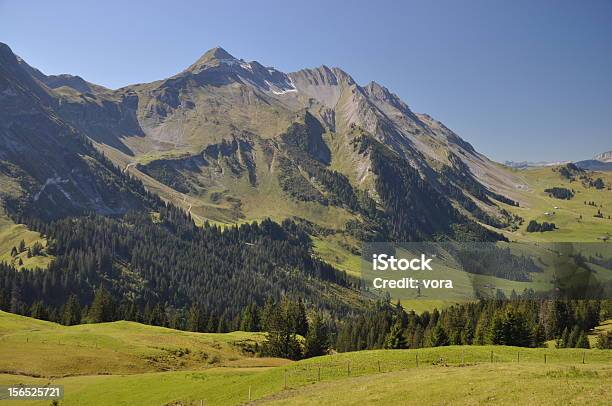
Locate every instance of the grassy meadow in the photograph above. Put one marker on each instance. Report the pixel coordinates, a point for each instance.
(574, 219)
(124, 363)
(11, 235)
(38, 348)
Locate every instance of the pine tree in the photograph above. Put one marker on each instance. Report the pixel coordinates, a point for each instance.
(22, 246)
(481, 335)
(416, 340)
(222, 326)
(195, 319)
(496, 331)
(573, 337)
(16, 304)
(38, 311)
(297, 316)
(582, 341)
(146, 315)
(72, 312)
(212, 324)
(510, 328)
(281, 339)
(129, 311)
(539, 336)
(250, 318)
(439, 337)
(517, 330)
(396, 339)
(267, 314)
(316, 342)
(102, 308)
(467, 333)
(36, 249)
(158, 316)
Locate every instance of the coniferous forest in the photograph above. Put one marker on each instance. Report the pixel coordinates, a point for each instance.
(166, 261)
(164, 270)
(157, 267)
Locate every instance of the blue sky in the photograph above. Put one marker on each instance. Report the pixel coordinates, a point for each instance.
(520, 80)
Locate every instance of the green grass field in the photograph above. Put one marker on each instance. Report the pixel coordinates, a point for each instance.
(38, 348)
(566, 215)
(125, 363)
(499, 384)
(10, 236)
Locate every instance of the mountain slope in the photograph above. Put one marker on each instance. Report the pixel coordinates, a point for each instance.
(47, 168)
(600, 162)
(604, 157)
(230, 140)
(105, 230)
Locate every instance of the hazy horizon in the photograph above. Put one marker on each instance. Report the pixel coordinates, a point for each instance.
(520, 81)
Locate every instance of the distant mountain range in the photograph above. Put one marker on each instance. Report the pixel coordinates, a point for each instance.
(604, 157)
(600, 162)
(530, 164)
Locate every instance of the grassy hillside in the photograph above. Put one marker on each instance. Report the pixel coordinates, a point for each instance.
(439, 376)
(142, 365)
(500, 384)
(10, 236)
(39, 348)
(567, 214)
(575, 222)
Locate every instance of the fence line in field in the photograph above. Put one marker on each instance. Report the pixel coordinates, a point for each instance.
(338, 366)
(341, 367)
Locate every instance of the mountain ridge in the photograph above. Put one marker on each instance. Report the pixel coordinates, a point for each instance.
(164, 132)
(54, 170)
(604, 156)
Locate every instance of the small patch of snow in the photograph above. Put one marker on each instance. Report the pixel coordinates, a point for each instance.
(291, 87)
(247, 66)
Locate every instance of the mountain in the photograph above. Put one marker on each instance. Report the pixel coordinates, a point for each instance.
(231, 183)
(604, 157)
(529, 164)
(101, 228)
(47, 168)
(600, 162)
(230, 140)
(56, 81)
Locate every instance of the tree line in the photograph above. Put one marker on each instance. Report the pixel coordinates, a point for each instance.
(525, 321)
(294, 330)
(158, 266)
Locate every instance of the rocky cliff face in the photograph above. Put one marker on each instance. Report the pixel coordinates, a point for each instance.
(305, 138)
(53, 168)
(604, 157)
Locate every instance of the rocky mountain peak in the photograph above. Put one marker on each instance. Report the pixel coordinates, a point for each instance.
(6, 55)
(213, 57)
(323, 76)
(382, 94)
(219, 67)
(217, 53)
(604, 157)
